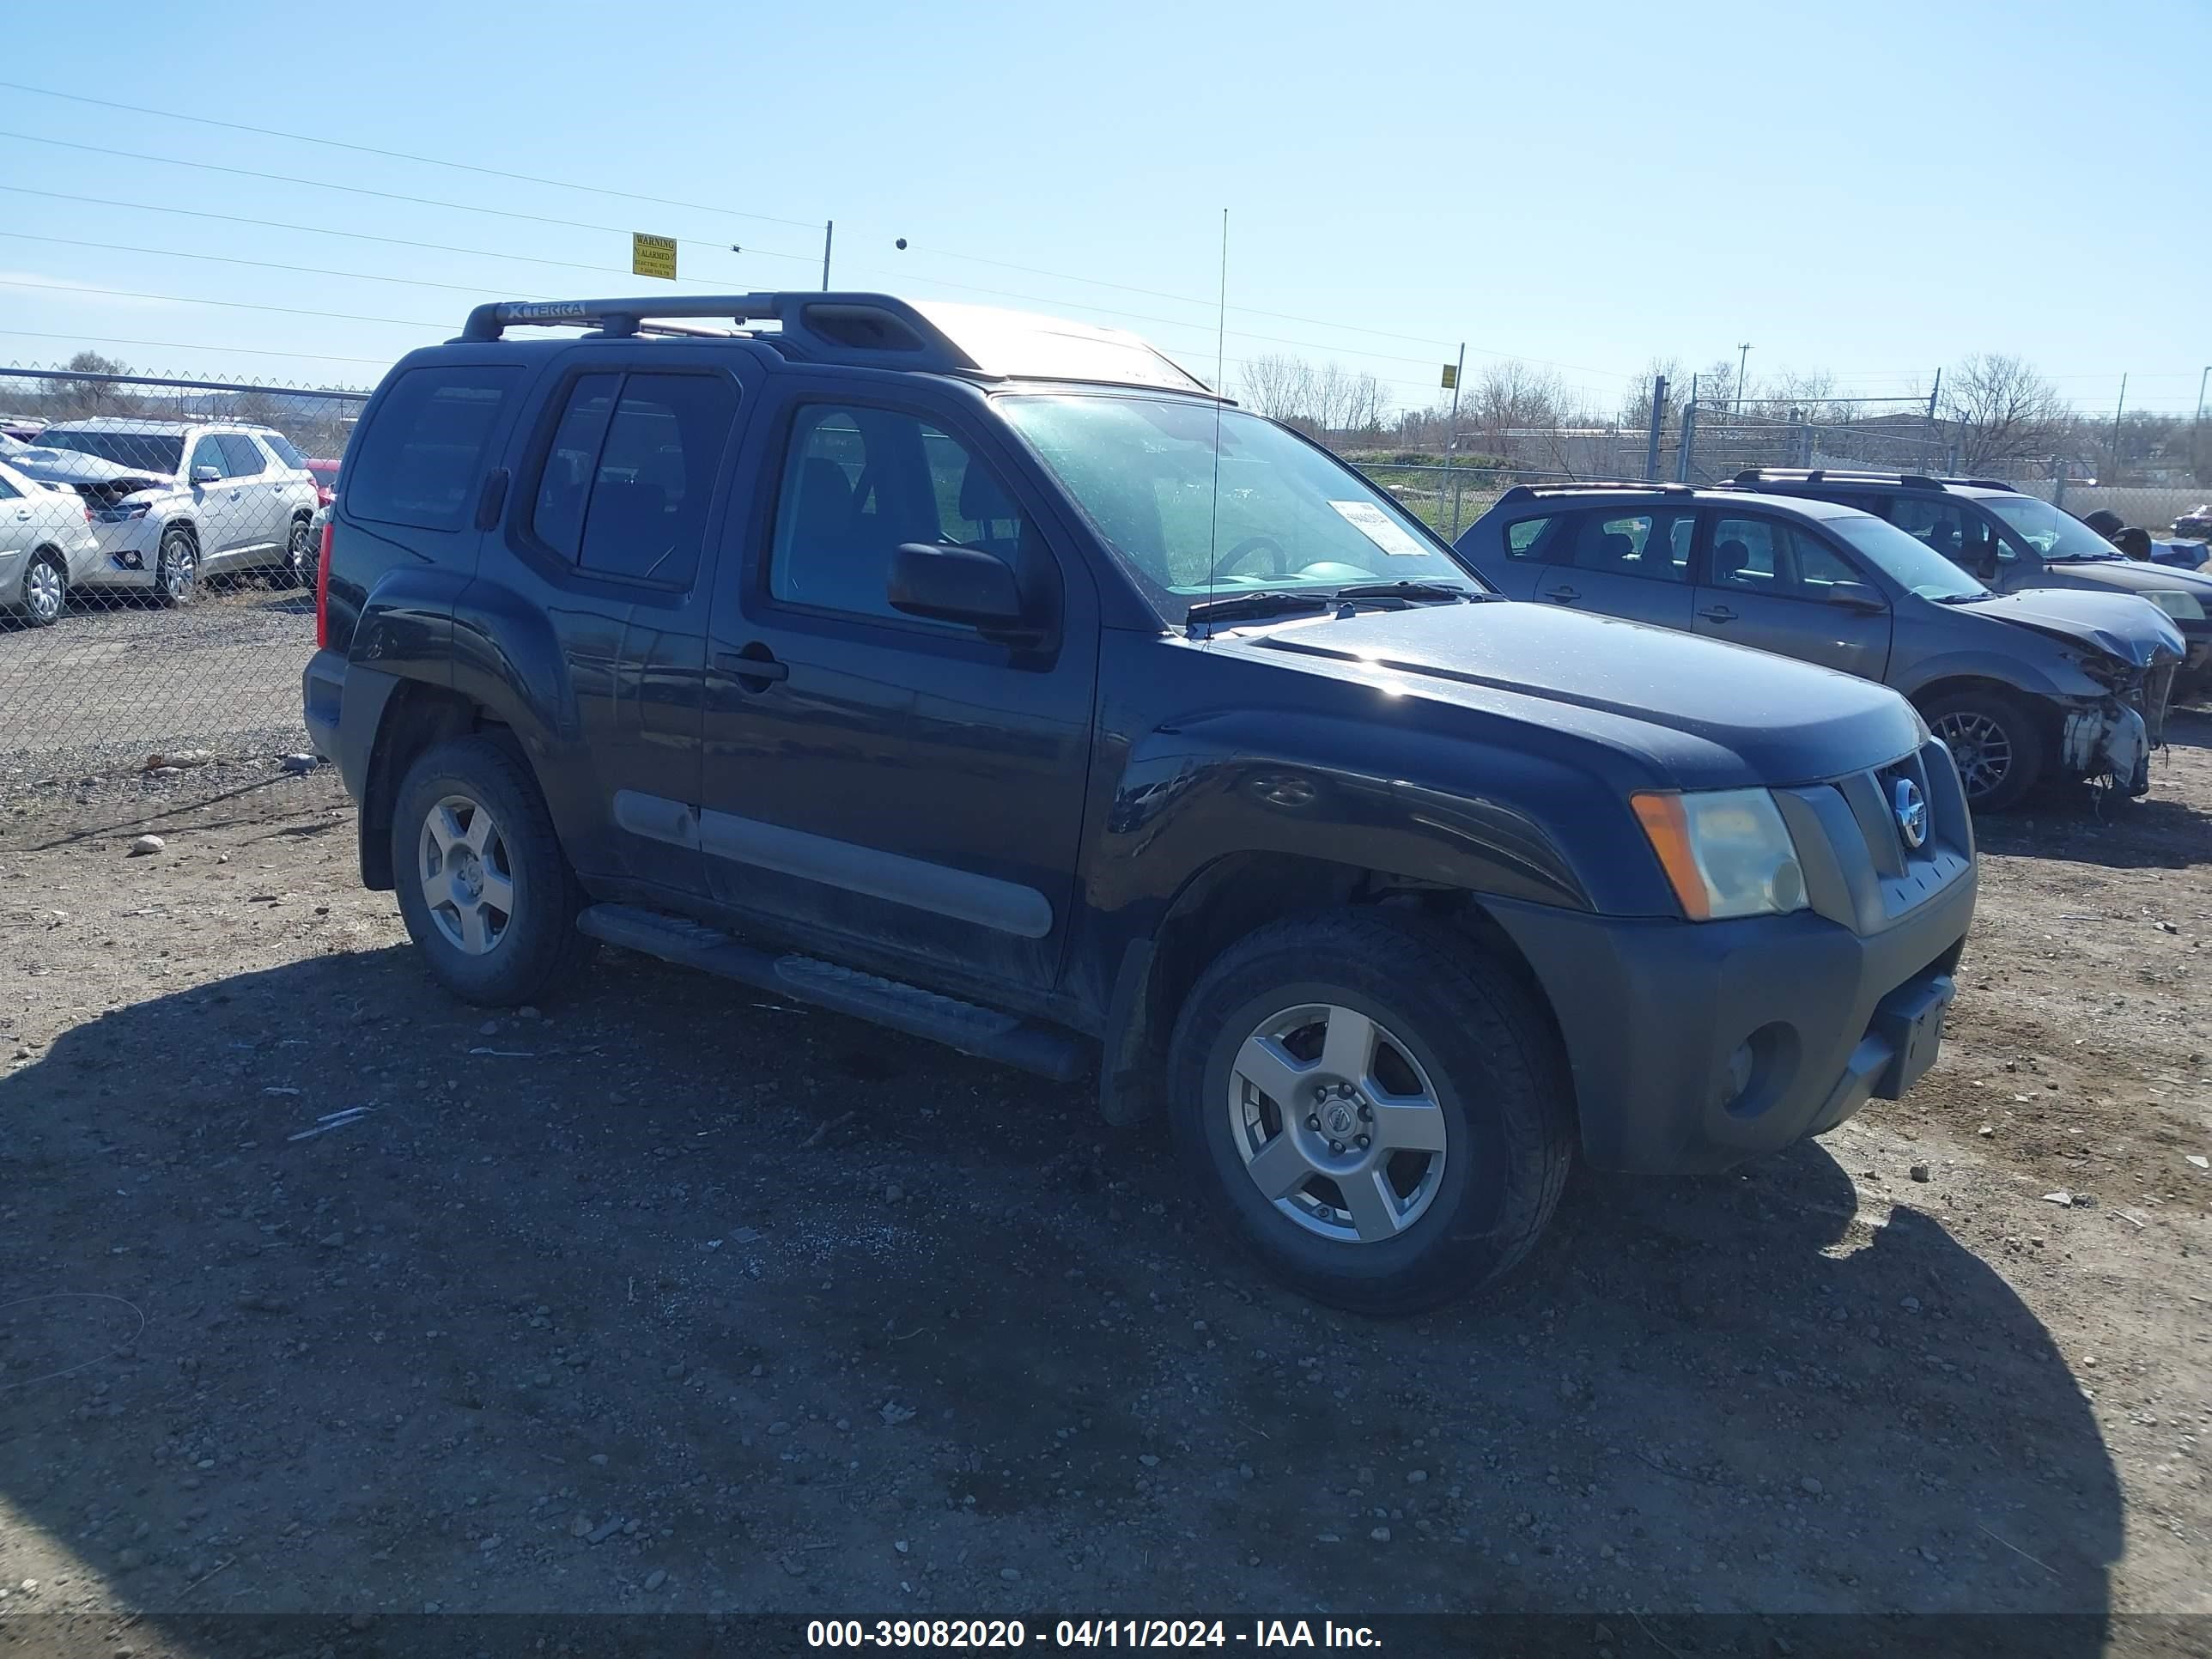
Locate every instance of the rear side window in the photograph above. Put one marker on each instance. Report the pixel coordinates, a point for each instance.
(281, 447)
(421, 460)
(1525, 540)
(1654, 546)
(240, 457)
(630, 470)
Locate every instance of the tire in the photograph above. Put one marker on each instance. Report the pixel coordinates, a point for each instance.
(474, 795)
(44, 591)
(1973, 725)
(293, 572)
(1420, 1227)
(177, 569)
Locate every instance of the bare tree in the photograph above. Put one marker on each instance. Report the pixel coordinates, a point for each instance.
(90, 397)
(2000, 408)
(1635, 410)
(1279, 386)
(1510, 395)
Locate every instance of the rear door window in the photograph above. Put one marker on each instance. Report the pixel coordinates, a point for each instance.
(1526, 540)
(281, 447)
(1652, 545)
(628, 473)
(241, 458)
(421, 460)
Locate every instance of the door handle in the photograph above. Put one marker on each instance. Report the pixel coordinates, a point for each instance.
(1717, 613)
(754, 663)
(1562, 594)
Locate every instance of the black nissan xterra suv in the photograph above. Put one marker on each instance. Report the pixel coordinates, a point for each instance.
(987, 677)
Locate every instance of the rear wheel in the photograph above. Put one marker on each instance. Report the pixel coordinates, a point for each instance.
(1380, 1117)
(293, 572)
(484, 886)
(177, 569)
(45, 588)
(1995, 745)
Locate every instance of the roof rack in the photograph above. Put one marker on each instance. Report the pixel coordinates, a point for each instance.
(865, 329)
(1758, 475)
(1521, 492)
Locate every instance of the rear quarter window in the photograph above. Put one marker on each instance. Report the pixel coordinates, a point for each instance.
(421, 460)
(1525, 537)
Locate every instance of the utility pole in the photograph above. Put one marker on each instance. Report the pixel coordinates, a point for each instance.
(1934, 391)
(829, 229)
(2116, 409)
(1658, 428)
(1451, 438)
(2197, 462)
(1742, 355)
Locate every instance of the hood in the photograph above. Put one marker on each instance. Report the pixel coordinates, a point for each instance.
(2133, 576)
(71, 466)
(1711, 714)
(2120, 625)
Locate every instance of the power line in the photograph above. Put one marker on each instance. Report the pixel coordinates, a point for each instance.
(228, 305)
(185, 345)
(403, 155)
(354, 190)
(262, 264)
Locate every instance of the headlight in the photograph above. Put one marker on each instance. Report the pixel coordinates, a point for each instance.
(2181, 607)
(1726, 852)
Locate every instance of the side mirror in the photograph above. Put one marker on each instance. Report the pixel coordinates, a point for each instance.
(963, 585)
(1856, 596)
(206, 475)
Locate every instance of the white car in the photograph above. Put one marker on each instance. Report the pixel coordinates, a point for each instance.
(211, 499)
(46, 547)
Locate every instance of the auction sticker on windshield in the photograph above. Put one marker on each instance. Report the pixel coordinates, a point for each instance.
(1372, 522)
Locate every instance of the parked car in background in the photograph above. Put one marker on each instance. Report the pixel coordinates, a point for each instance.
(326, 480)
(2182, 555)
(191, 499)
(47, 545)
(2019, 686)
(2011, 541)
(884, 657)
(2195, 525)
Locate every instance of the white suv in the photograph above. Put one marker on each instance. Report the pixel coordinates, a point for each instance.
(210, 499)
(46, 547)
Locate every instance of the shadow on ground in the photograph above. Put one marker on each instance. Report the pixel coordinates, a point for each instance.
(675, 1299)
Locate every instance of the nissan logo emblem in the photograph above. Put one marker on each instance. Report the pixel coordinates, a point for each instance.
(1910, 807)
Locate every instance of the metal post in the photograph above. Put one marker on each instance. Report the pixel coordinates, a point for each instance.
(2059, 469)
(1658, 426)
(1689, 442)
(1451, 438)
(829, 229)
(1742, 355)
(2196, 461)
(2117, 411)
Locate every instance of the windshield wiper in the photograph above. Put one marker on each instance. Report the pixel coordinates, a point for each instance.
(1963, 598)
(1234, 607)
(1414, 592)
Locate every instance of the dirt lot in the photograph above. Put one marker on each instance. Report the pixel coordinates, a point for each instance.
(666, 1298)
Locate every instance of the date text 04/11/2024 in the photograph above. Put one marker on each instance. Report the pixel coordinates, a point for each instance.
(1086, 1633)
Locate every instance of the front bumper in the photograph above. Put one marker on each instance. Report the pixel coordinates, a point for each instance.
(129, 551)
(1696, 1045)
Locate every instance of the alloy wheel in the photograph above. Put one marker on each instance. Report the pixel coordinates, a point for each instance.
(468, 880)
(1979, 747)
(1338, 1124)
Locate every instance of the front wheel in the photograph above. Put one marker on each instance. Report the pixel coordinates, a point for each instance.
(484, 889)
(1993, 742)
(177, 569)
(1378, 1113)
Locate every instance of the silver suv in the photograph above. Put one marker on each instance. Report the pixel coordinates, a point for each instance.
(174, 502)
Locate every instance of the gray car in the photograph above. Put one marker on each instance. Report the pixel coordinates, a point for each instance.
(2020, 686)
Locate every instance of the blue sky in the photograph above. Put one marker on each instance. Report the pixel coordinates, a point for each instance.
(1873, 190)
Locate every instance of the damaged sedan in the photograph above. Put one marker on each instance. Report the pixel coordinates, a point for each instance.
(2048, 682)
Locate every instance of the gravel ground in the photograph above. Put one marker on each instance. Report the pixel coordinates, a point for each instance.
(320, 1294)
(119, 678)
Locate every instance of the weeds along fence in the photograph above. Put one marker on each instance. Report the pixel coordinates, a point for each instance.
(155, 572)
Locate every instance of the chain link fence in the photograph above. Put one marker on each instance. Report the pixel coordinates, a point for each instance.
(156, 568)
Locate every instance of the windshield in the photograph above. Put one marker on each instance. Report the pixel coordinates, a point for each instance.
(1287, 517)
(148, 452)
(1905, 560)
(2055, 534)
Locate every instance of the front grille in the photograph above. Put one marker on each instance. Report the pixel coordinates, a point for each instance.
(1859, 868)
(1912, 769)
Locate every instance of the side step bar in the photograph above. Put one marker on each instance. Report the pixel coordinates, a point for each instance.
(984, 1032)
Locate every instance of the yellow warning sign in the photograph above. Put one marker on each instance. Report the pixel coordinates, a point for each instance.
(652, 256)
(1451, 372)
